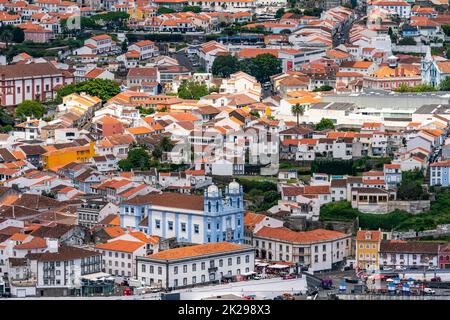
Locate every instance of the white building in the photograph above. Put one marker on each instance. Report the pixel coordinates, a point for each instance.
(146, 49)
(398, 8)
(119, 256)
(60, 269)
(34, 81)
(200, 264)
(418, 254)
(241, 82)
(318, 249)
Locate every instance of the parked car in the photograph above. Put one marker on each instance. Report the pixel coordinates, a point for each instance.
(258, 277)
(278, 298)
(350, 280)
(287, 296)
(127, 292)
(347, 268)
(436, 279)
(429, 291)
(387, 269)
(289, 276)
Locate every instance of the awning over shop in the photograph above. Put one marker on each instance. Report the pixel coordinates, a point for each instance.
(95, 276)
(278, 266)
(261, 264)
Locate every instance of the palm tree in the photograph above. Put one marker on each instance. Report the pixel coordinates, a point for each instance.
(166, 144)
(298, 110)
(6, 36)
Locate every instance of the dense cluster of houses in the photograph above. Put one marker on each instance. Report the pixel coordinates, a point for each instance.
(71, 214)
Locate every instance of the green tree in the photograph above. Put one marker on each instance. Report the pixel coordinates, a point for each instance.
(445, 85)
(446, 29)
(12, 34)
(324, 124)
(162, 10)
(254, 113)
(419, 88)
(262, 67)
(138, 158)
(402, 88)
(5, 118)
(280, 12)
(101, 88)
(298, 110)
(30, 108)
(223, 66)
(407, 42)
(195, 9)
(6, 36)
(111, 19)
(315, 12)
(271, 196)
(165, 145)
(411, 186)
(124, 46)
(192, 90)
(7, 128)
(323, 88)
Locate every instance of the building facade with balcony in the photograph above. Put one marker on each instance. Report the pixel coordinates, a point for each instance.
(196, 265)
(317, 249)
(59, 270)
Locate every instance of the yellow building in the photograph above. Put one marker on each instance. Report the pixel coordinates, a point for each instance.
(367, 249)
(79, 103)
(140, 13)
(55, 159)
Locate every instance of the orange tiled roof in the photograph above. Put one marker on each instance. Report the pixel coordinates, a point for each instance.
(18, 237)
(114, 231)
(35, 243)
(251, 219)
(312, 236)
(121, 246)
(197, 250)
(375, 235)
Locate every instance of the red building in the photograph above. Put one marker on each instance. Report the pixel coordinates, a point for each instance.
(107, 126)
(444, 257)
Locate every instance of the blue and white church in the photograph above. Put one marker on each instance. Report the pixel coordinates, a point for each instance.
(214, 216)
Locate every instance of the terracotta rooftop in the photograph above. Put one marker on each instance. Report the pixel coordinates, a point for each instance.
(197, 251)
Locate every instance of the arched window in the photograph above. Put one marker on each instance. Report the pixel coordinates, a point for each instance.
(209, 206)
(217, 205)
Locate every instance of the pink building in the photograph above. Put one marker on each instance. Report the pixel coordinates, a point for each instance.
(444, 257)
(38, 35)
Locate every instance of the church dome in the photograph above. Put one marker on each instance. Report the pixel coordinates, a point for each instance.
(213, 189)
(233, 185)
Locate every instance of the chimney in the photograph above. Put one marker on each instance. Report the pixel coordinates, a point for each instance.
(52, 245)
